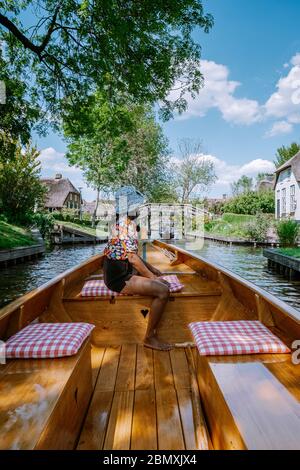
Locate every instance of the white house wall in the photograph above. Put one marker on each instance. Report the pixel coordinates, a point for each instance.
(286, 184)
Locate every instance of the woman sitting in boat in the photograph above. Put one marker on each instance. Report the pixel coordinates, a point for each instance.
(125, 272)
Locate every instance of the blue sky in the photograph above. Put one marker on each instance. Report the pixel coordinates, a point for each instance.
(250, 103)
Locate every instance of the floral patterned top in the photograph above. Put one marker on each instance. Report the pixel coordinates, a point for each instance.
(123, 240)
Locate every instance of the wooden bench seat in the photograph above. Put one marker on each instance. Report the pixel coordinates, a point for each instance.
(251, 402)
(194, 286)
(43, 401)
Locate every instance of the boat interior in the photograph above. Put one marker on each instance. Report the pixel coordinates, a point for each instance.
(117, 394)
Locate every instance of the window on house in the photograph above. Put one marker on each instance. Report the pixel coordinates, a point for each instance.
(292, 198)
(285, 174)
(283, 201)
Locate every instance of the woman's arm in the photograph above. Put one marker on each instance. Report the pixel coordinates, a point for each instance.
(151, 268)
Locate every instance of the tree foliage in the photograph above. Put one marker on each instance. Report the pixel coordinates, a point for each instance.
(264, 176)
(193, 172)
(283, 154)
(119, 145)
(147, 167)
(20, 188)
(242, 185)
(17, 114)
(96, 135)
(251, 203)
(139, 48)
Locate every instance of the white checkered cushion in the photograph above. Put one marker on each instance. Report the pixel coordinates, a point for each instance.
(175, 284)
(235, 337)
(97, 288)
(42, 340)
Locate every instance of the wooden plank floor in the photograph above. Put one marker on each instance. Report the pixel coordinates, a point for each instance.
(141, 400)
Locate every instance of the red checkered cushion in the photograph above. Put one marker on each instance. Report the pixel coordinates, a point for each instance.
(97, 288)
(175, 284)
(235, 337)
(42, 340)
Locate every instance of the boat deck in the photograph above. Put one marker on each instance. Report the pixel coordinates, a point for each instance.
(142, 400)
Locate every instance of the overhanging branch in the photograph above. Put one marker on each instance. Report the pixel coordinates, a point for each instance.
(37, 49)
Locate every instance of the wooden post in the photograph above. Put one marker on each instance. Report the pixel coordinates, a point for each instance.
(172, 224)
(182, 221)
(149, 221)
(160, 224)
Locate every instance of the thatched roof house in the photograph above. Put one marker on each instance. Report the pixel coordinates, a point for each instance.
(61, 194)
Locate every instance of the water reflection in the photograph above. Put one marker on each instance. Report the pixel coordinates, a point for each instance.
(21, 278)
(248, 262)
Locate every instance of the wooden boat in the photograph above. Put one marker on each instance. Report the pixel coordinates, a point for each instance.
(116, 394)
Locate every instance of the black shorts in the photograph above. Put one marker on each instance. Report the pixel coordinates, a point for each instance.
(116, 273)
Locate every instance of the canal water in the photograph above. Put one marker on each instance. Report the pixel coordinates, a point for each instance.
(246, 261)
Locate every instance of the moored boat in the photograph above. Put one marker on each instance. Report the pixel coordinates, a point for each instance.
(116, 394)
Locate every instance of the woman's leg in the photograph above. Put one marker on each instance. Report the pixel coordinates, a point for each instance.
(152, 287)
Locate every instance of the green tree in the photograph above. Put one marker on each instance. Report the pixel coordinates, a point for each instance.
(101, 162)
(147, 167)
(96, 134)
(193, 172)
(17, 114)
(264, 176)
(20, 188)
(140, 48)
(283, 154)
(242, 185)
(251, 203)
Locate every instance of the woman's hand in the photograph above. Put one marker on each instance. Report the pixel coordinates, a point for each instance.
(157, 272)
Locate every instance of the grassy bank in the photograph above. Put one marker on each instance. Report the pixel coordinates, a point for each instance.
(83, 228)
(295, 252)
(12, 236)
(229, 225)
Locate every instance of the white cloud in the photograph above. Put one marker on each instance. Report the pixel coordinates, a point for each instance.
(279, 128)
(53, 162)
(284, 103)
(218, 92)
(296, 59)
(228, 173)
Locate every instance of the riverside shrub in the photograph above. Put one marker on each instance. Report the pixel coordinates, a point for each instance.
(287, 232)
(251, 203)
(257, 229)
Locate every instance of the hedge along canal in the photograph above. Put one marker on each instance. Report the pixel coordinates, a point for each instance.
(246, 261)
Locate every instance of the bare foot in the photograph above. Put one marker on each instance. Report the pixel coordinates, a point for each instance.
(154, 343)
